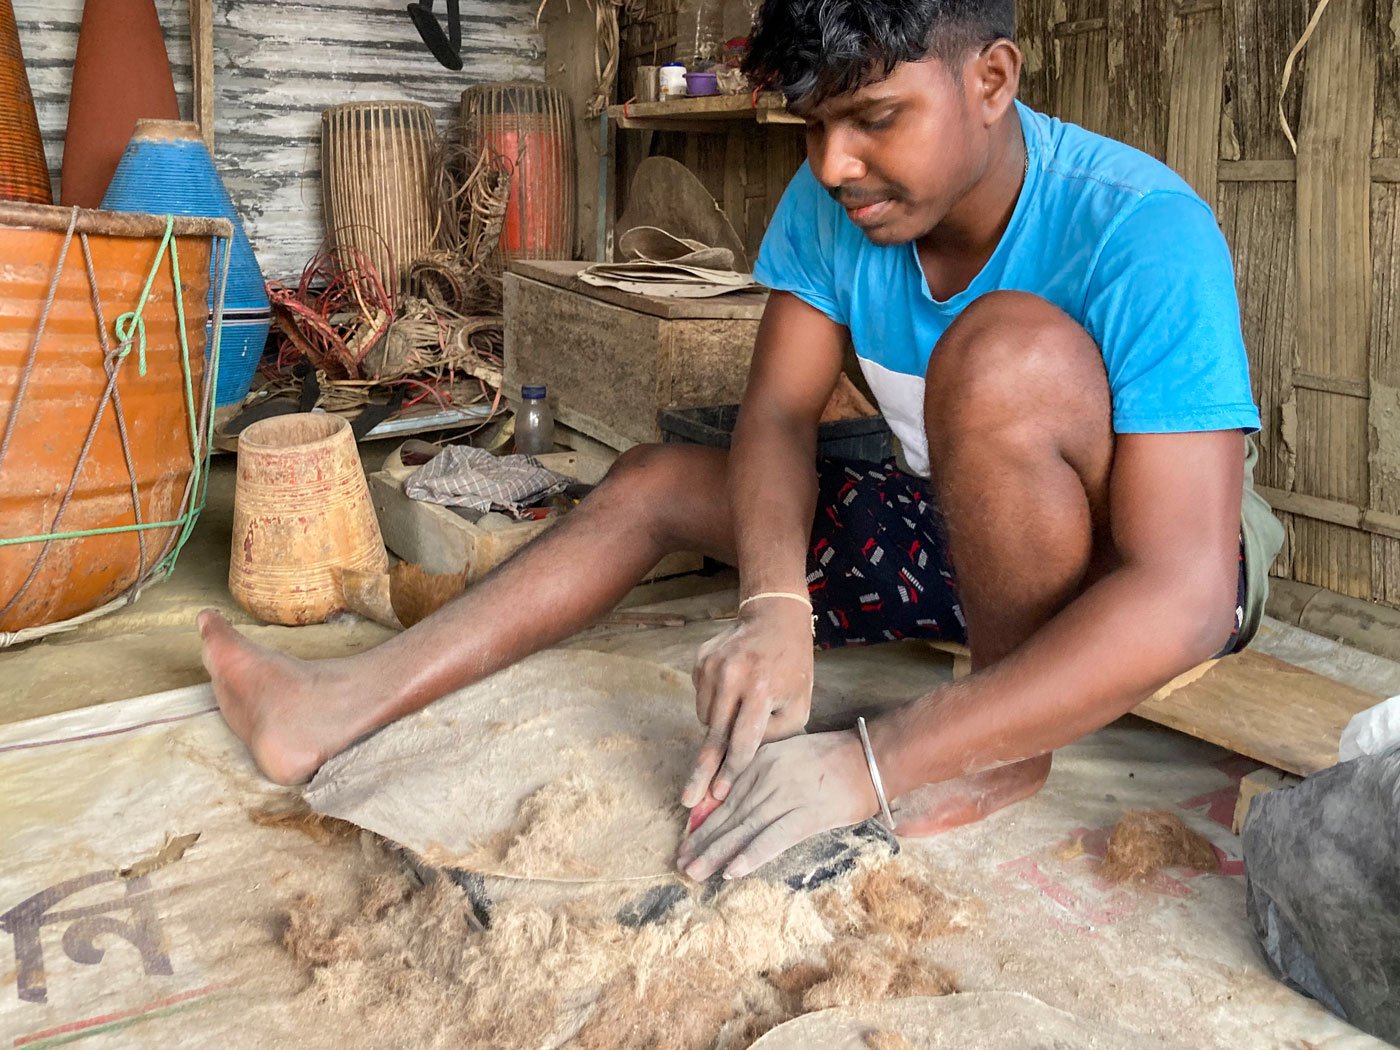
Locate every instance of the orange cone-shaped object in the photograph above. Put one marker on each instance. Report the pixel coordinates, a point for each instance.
(24, 173)
(121, 75)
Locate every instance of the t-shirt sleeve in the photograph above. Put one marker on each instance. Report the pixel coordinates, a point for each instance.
(1161, 304)
(796, 254)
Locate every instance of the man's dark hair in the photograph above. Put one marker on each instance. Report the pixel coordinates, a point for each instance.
(811, 50)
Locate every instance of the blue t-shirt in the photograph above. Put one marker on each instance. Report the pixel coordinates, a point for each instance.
(1111, 236)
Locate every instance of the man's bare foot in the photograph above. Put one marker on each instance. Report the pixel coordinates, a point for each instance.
(935, 808)
(293, 714)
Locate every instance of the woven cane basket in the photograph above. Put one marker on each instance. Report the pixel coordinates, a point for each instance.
(377, 161)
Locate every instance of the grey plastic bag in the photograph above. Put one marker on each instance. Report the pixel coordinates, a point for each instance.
(1322, 867)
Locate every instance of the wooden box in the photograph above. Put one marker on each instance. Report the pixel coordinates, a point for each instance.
(612, 359)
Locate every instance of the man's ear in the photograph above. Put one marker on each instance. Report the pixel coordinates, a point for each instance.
(993, 78)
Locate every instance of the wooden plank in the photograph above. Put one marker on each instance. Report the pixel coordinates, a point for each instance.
(1081, 93)
(1336, 557)
(1258, 221)
(747, 305)
(1262, 707)
(1252, 703)
(608, 188)
(1035, 34)
(1386, 139)
(1384, 407)
(1333, 225)
(202, 61)
(569, 43)
(1385, 169)
(1194, 95)
(1252, 785)
(1258, 36)
(1257, 171)
(1332, 384)
(1137, 52)
(736, 174)
(701, 108)
(1338, 513)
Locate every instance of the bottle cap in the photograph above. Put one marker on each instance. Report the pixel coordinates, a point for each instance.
(532, 393)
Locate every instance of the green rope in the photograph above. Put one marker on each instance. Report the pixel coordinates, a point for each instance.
(130, 328)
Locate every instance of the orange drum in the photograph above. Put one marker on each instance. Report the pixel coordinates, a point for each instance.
(529, 126)
(65, 466)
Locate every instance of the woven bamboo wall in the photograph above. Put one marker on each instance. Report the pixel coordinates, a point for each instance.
(1316, 235)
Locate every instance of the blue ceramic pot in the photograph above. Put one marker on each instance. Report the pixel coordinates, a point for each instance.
(166, 170)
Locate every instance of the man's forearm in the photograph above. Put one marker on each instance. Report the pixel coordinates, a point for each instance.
(773, 495)
(1103, 654)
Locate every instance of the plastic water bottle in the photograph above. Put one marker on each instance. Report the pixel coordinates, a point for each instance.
(534, 423)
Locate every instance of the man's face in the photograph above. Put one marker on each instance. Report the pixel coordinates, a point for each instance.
(897, 154)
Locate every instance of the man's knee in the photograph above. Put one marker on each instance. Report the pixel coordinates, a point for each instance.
(653, 484)
(1012, 362)
(643, 473)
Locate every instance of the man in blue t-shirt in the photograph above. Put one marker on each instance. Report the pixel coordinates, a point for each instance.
(1049, 324)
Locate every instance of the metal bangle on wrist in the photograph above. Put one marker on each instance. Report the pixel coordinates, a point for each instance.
(886, 817)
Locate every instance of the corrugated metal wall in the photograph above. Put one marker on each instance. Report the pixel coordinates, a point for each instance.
(278, 63)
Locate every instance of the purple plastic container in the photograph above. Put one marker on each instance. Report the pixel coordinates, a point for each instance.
(701, 84)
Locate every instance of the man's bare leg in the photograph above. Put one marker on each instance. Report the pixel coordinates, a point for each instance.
(1021, 442)
(295, 714)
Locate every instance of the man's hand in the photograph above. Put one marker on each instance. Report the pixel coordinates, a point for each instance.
(753, 683)
(792, 790)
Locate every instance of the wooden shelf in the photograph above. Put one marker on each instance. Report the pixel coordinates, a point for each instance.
(701, 112)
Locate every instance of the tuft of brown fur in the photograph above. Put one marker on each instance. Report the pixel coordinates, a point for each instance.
(861, 970)
(679, 1010)
(887, 1040)
(311, 938)
(293, 814)
(900, 903)
(416, 593)
(1143, 842)
(414, 969)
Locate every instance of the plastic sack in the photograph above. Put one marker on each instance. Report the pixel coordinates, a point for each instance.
(1372, 731)
(1322, 867)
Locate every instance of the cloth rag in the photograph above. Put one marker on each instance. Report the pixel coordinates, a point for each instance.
(463, 476)
(661, 264)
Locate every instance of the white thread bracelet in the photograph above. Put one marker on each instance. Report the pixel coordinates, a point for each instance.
(790, 595)
(885, 813)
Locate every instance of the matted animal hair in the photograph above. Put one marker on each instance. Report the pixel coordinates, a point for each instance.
(811, 50)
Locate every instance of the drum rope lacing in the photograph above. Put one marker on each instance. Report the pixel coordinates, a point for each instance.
(130, 332)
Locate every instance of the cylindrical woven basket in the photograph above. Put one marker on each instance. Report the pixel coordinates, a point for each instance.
(530, 127)
(377, 186)
(24, 172)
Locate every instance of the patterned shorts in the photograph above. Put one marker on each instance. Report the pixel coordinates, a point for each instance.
(878, 567)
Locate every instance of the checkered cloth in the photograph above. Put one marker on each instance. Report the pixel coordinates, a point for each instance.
(462, 476)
